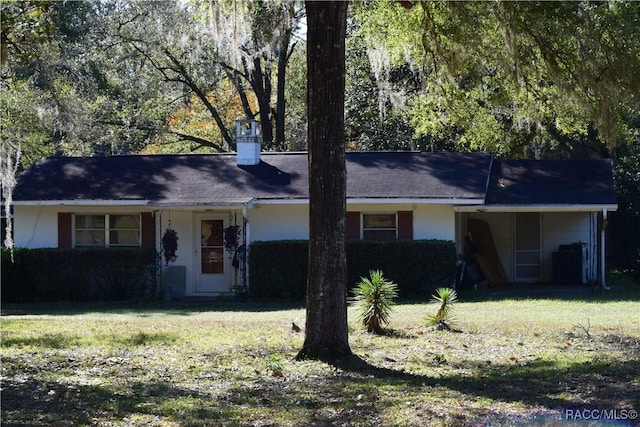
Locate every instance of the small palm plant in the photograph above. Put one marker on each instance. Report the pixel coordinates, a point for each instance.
(374, 298)
(445, 298)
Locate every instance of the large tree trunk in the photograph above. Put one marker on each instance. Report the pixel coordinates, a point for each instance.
(326, 335)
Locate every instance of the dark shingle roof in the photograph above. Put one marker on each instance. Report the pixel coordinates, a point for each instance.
(551, 182)
(216, 177)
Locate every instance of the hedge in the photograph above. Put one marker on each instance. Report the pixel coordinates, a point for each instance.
(279, 269)
(47, 275)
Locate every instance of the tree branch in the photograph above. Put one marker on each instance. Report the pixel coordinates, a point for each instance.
(235, 78)
(183, 136)
(201, 141)
(181, 70)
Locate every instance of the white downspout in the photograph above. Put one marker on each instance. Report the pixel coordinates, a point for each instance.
(602, 250)
(159, 275)
(247, 229)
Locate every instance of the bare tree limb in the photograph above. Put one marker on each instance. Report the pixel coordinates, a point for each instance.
(181, 70)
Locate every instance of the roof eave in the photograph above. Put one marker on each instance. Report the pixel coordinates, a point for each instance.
(378, 200)
(539, 208)
(200, 204)
(81, 202)
(416, 200)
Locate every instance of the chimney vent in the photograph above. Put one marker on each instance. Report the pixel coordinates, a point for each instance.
(248, 142)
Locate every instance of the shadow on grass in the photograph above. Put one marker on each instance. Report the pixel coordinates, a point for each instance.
(354, 390)
(60, 341)
(53, 403)
(545, 383)
(148, 308)
(45, 341)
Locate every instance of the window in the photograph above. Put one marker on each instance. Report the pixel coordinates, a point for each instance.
(392, 226)
(379, 227)
(107, 231)
(211, 246)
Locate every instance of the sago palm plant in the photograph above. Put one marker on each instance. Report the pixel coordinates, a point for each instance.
(445, 298)
(373, 297)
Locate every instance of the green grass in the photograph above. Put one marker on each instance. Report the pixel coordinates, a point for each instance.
(219, 363)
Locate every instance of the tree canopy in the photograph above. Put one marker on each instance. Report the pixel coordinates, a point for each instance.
(138, 76)
(515, 78)
(519, 79)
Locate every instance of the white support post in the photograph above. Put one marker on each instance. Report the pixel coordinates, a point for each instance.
(602, 250)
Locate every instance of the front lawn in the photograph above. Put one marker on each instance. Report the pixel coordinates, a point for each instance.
(514, 362)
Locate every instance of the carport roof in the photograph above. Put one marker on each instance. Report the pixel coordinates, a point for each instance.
(549, 183)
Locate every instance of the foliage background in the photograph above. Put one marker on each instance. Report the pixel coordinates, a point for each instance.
(519, 79)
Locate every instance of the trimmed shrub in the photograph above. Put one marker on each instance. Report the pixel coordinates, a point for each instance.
(279, 269)
(46, 275)
(417, 266)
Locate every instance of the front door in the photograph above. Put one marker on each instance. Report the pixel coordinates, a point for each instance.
(527, 247)
(212, 263)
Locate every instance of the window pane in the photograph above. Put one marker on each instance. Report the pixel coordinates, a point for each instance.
(211, 230)
(90, 221)
(527, 271)
(128, 222)
(379, 221)
(89, 238)
(212, 261)
(527, 257)
(124, 238)
(379, 234)
(527, 231)
(90, 230)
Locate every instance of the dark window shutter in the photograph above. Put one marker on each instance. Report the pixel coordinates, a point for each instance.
(405, 225)
(148, 230)
(64, 230)
(353, 225)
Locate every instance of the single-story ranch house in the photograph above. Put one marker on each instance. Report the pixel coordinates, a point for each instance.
(521, 219)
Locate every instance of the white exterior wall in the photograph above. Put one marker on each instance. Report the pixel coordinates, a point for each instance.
(182, 223)
(35, 226)
(429, 221)
(291, 222)
(434, 222)
(279, 222)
